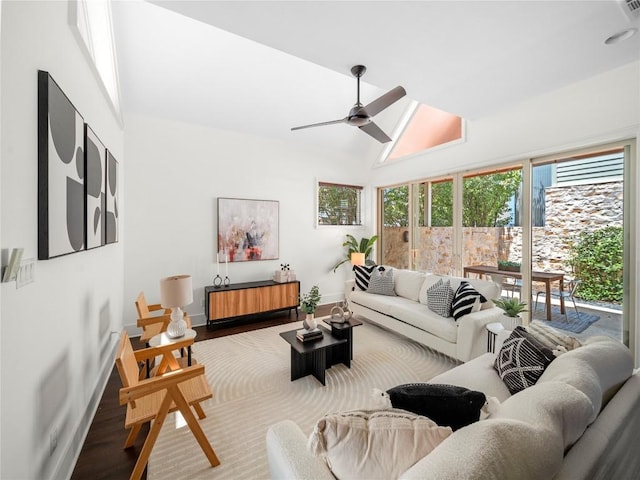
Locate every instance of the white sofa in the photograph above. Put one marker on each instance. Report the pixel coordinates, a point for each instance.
(579, 421)
(404, 314)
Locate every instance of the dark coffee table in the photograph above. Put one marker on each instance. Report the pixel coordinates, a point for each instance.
(312, 357)
(343, 353)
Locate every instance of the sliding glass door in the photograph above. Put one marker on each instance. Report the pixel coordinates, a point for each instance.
(578, 232)
(556, 232)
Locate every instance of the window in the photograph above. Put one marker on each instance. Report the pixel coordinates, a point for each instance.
(339, 204)
(93, 26)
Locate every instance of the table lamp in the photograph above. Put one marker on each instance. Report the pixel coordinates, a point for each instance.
(357, 258)
(175, 293)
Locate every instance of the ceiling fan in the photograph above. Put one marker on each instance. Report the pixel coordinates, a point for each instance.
(360, 116)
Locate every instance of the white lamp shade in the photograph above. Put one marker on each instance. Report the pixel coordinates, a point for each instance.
(357, 258)
(176, 291)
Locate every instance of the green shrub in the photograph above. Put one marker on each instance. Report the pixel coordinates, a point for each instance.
(597, 260)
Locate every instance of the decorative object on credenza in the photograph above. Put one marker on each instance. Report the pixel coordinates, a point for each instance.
(95, 188)
(364, 246)
(308, 304)
(111, 223)
(227, 282)
(285, 274)
(217, 281)
(61, 197)
(248, 229)
(175, 293)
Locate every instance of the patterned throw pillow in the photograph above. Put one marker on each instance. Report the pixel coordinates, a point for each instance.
(522, 360)
(381, 282)
(363, 274)
(439, 297)
(466, 300)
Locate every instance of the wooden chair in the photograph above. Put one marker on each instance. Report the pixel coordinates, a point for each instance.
(153, 325)
(154, 398)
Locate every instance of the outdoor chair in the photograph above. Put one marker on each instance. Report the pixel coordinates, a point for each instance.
(564, 295)
(152, 399)
(507, 283)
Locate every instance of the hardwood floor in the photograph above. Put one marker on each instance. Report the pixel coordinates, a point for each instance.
(102, 455)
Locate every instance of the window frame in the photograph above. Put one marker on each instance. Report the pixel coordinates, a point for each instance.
(360, 198)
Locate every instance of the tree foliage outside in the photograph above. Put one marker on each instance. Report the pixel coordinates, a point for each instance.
(485, 201)
(486, 198)
(442, 204)
(395, 201)
(339, 205)
(597, 260)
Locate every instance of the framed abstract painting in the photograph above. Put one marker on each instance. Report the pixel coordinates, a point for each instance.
(247, 230)
(61, 162)
(111, 223)
(95, 188)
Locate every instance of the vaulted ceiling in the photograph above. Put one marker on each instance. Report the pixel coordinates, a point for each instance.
(263, 67)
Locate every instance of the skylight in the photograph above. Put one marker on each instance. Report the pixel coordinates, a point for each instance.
(428, 127)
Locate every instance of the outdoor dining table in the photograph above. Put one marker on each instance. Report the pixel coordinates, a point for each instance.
(544, 277)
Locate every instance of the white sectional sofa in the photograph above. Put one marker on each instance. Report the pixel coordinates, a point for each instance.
(579, 421)
(463, 339)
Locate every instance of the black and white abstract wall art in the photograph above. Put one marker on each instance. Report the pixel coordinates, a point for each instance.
(111, 223)
(61, 197)
(95, 188)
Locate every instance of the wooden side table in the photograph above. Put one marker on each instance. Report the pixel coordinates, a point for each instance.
(169, 345)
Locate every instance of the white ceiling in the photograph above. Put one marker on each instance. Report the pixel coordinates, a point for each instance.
(263, 67)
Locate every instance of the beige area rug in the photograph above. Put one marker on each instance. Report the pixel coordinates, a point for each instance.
(250, 378)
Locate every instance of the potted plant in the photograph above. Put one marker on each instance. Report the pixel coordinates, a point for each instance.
(512, 308)
(365, 245)
(308, 304)
(508, 266)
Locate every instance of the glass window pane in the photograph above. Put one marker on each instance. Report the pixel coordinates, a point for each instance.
(339, 204)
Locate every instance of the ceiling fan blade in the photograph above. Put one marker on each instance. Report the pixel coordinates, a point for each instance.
(375, 131)
(382, 102)
(342, 120)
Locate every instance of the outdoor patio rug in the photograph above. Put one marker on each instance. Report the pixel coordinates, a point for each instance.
(249, 374)
(572, 323)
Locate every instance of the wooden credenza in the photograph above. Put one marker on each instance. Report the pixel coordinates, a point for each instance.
(226, 304)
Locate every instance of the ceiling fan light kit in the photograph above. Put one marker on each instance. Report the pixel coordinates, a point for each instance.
(360, 116)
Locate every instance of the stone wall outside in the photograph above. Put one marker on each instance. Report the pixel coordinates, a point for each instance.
(569, 211)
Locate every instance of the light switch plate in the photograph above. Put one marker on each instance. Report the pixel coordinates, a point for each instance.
(26, 272)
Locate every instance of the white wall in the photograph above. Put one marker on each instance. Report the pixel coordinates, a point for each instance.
(597, 110)
(55, 334)
(174, 174)
(602, 109)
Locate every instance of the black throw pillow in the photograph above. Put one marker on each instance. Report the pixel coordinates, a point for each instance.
(447, 405)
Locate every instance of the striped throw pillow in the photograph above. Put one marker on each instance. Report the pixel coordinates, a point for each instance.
(439, 297)
(466, 300)
(381, 282)
(363, 274)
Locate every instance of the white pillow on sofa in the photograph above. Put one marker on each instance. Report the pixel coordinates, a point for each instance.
(374, 444)
(408, 283)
